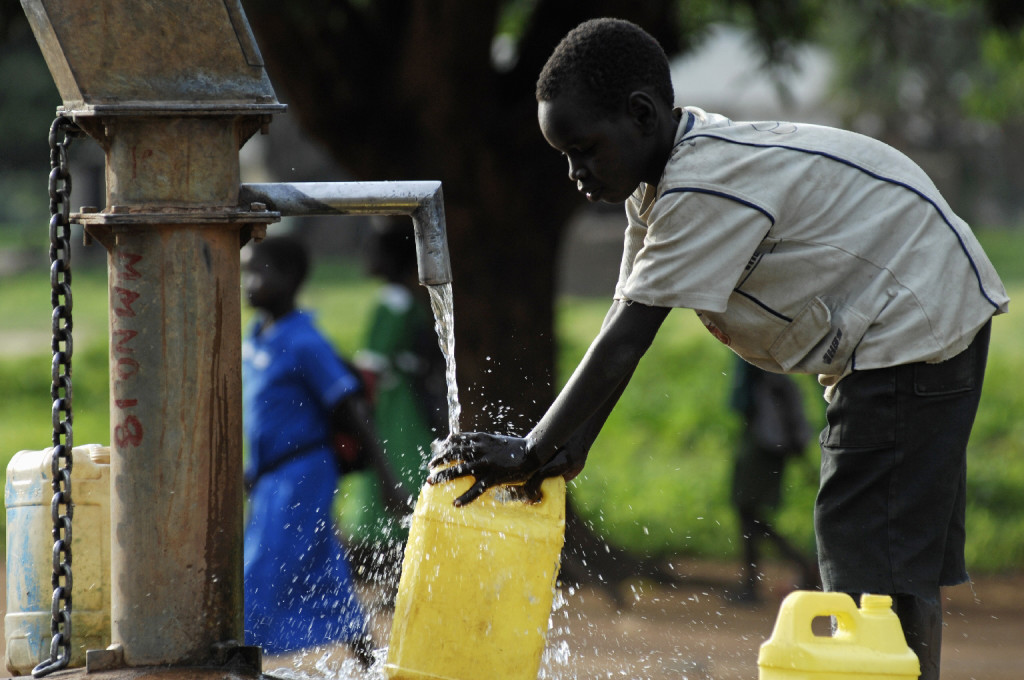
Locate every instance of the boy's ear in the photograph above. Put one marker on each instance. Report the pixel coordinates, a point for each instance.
(643, 111)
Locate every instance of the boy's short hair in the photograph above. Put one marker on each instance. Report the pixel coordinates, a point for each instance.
(287, 254)
(605, 60)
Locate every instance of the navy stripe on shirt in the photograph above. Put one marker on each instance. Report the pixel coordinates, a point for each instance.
(762, 305)
(712, 192)
(870, 173)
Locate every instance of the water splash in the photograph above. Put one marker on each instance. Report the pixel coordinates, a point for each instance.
(326, 662)
(444, 323)
(569, 628)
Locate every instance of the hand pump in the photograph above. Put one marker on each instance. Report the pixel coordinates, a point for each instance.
(171, 89)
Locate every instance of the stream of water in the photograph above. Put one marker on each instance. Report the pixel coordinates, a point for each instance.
(333, 661)
(444, 323)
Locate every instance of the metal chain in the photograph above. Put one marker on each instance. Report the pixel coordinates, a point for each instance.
(61, 507)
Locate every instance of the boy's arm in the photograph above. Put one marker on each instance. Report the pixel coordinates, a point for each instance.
(570, 459)
(571, 423)
(601, 376)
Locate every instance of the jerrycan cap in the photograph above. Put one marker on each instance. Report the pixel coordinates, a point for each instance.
(98, 453)
(875, 603)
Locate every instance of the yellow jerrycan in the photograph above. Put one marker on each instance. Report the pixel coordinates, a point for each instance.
(867, 642)
(27, 495)
(477, 584)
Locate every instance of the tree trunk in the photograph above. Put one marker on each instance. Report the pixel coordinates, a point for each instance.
(405, 89)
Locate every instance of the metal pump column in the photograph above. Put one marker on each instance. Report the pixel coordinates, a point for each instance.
(170, 89)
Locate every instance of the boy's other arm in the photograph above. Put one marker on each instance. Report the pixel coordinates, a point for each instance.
(600, 378)
(569, 460)
(559, 442)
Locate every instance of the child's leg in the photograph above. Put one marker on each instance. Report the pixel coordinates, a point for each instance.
(921, 620)
(808, 572)
(889, 516)
(751, 534)
(362, 648)
(756, 491)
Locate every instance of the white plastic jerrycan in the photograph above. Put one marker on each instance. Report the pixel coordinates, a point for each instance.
(30, 556)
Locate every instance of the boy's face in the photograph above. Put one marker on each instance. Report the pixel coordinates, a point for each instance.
(608, 154)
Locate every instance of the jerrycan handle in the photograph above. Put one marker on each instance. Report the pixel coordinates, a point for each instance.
(800, 608)
(498, 501)
(552, 491)
(514, 493)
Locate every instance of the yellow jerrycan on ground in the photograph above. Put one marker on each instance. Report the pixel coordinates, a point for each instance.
(477, 584)
(867, 642)
(27, 497)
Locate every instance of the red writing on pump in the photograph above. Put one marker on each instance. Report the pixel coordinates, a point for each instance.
(129, 430)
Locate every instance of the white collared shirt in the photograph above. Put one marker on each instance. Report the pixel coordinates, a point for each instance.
(807, 249)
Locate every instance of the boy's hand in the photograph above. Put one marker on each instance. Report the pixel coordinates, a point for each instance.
(567, 463)
(492, 459)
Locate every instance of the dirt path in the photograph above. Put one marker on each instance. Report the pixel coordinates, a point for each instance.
(693, 632)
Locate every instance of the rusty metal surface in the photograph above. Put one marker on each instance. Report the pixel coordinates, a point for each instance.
(171, 161)
(176, 449)
(132, 56)
(170, 89)
(160, 163)
(172, 230)
(130, 219)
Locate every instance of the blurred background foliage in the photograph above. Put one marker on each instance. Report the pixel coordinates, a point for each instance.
(396, 89)
(657, 481)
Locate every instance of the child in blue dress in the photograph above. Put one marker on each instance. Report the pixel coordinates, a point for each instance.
(298, 585)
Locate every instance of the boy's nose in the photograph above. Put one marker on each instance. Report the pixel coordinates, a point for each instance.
(576, 171)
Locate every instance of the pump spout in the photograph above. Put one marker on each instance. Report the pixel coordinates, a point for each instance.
(423, 201)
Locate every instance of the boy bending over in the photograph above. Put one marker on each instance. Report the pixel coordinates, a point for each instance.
(805, 249)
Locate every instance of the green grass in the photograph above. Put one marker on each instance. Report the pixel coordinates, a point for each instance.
(657, 479)
(337, 290)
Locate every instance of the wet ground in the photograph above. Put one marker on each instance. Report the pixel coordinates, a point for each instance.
(683, 632)
(695, 632)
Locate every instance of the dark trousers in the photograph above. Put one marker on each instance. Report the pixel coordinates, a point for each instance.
(889, 517)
